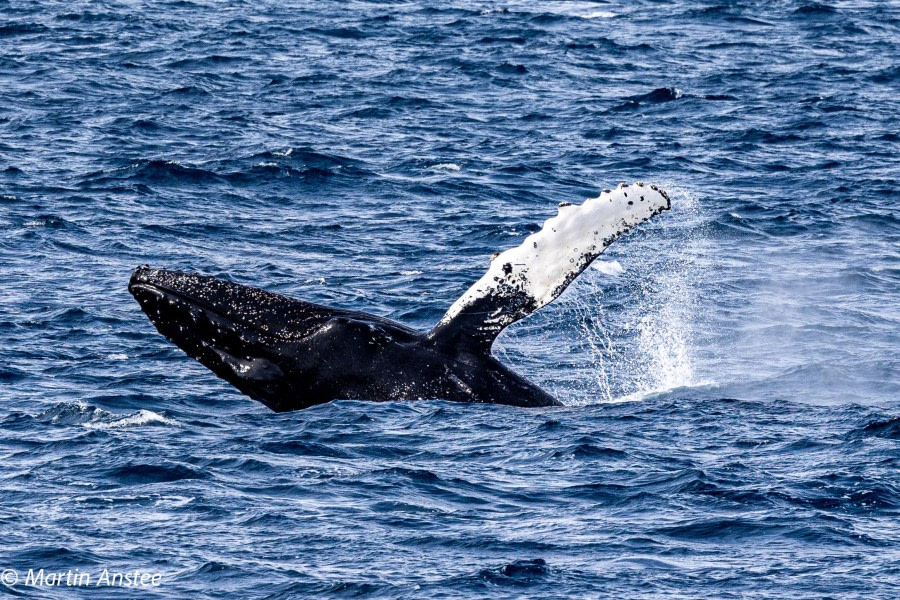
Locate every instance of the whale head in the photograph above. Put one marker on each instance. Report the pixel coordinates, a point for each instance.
(245, 335)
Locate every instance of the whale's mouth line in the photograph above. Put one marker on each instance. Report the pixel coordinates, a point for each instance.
(161, 290)
(196, 303)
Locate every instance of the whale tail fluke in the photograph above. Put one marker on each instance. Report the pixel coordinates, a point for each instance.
(521, 280)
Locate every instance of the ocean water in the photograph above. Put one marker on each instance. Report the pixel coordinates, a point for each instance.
(731, 370)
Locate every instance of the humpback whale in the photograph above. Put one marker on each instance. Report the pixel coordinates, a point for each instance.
(290, 354)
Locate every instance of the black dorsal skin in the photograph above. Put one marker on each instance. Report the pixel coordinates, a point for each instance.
(290, 354)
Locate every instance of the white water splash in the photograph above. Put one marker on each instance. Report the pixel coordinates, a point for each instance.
(625, 330)
(608, 267)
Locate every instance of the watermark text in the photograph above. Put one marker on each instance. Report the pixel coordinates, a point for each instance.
(48, 578)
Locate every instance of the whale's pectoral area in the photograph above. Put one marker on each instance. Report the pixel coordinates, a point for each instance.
(290, 354)
(255, 369)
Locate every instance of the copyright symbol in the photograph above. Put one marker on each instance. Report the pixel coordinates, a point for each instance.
(9, 577)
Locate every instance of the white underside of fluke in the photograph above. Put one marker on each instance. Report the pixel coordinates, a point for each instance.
(548, 260)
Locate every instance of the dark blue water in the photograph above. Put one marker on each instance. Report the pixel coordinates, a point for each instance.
(732, 370)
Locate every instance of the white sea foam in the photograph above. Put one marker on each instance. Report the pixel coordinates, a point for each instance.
(91, 417)
(112, 421)
(599, 14)
(445, 167)
(572, 8)
(116, 357)
(173, 501)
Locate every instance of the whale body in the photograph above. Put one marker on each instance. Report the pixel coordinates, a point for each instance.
(290, 354)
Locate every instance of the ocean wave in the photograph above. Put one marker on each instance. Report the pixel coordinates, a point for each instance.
(92, 417)
(150, 473)
(112, 421)
(16, 29)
